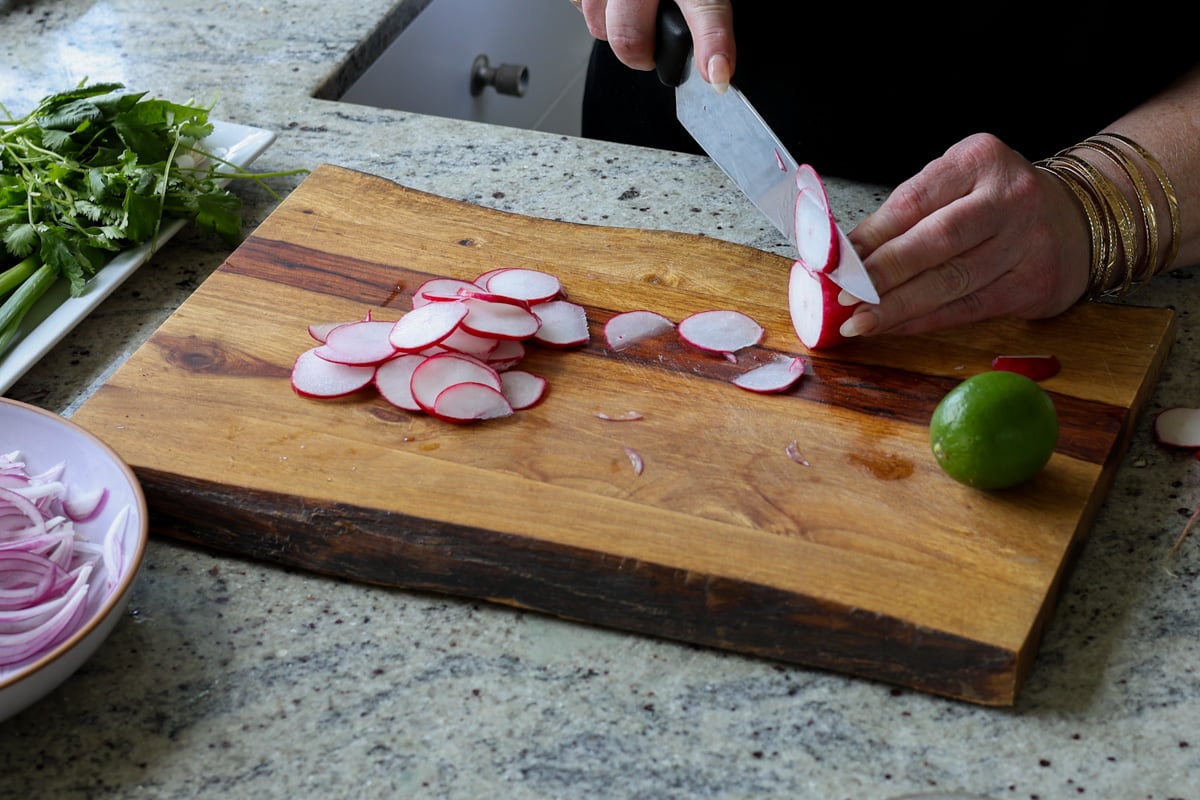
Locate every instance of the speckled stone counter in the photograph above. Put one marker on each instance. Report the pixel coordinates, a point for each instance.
(232, 679)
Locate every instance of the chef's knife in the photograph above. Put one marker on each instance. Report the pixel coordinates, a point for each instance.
(737, 138)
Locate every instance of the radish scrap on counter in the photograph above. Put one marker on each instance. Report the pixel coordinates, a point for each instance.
(1034, 367)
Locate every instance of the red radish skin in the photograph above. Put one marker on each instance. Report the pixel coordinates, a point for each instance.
(1034, 367)
(813, 304)
(630, 327)
(1178, 426)
(720, 331)
(442, 289)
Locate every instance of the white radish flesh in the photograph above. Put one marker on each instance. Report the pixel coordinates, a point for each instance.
(499, 320)
(813, 304)
(437, 373)
(313, 376)
(393, 380)
(817, 241)
(469, 402)
(365, 342)
(530, 285)
(441, 289)
(778, 374)
(522, 389)
(631, 327)
(1178, 427)
(720, 331)
(563, 324)
(427, 325)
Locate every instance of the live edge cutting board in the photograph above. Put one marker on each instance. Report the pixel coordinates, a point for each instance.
(865, 560)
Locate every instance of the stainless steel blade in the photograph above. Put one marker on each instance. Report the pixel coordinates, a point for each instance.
(739, 140)
(742, 144)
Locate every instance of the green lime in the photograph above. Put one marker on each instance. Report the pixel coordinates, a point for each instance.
(994, 430)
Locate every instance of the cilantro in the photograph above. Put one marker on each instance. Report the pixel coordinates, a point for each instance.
(96, 170)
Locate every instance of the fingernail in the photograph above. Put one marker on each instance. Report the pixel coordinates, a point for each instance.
(718, 73)
(847, 299)
(858, 325)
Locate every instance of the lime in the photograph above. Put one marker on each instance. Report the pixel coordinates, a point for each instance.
(994, 430)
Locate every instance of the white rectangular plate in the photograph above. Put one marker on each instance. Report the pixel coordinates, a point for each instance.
(56, 314)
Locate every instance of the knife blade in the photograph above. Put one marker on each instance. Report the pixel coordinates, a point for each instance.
(737, 138)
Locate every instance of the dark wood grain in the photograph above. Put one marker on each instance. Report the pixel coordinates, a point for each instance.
(865, 559)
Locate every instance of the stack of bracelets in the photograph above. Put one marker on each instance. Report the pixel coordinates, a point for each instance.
(1112, 219)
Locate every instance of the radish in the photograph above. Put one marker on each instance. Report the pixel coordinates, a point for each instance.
(468, 401)
(631, 327)
(1178, 426)
(313, 376)
(563, 323)
(817, 240)
(517, 283)
(441, 289)
(813, 304)
(522, 389)
(393, 379)
(720, 331)
(427, 325)
(776, 375)
(506, 354)
(364, 342)
(499, 320)
(1034, 367)
(437, 373)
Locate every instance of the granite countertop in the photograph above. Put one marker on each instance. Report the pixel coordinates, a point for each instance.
(229, 678)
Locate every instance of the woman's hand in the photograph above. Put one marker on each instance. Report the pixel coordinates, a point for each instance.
(978, 233)
(628, 27)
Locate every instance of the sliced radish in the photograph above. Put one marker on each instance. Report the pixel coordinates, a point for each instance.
(720, 331)
(626, 416)
(1178, 427)
(319, 331)
(1034, 367)
(631, 327)
(393, 380)
(563, 323)
(522, 389)
(813, 304)
(530, 285)
(438, 373)
(313, 376)
(442, 289)
(427, 325)
(817, 238)
(501, 320)
(635, 460)
(463, 341)
(778, 374)
(364, 342)
(470, 402)
(507, 354)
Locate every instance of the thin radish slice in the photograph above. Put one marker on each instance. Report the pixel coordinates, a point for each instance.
(441, 288)
(1034, 367)
(635, 460)
(492, 297)
(427, 325)
(313, 376)
(720, 331)
(1178, 427)
(507, 354)
(631, 327)
(817, 241)
(626, 416)
(522, 389)
(365, 342)
(778, 374)
(563, 323)
(462, 341)
(813, 304)
(437, 373)
(792, 451)
(393, 380)
(319, 331)
(501, 320)
(470, 402)
(530, 285)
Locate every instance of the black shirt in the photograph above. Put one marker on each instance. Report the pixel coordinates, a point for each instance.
(885, 92)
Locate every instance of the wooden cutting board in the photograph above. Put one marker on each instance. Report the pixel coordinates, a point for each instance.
(866, 559)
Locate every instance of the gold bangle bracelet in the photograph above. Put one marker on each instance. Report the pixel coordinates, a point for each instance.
(1098, 239)
(1148, 264)
(1164, 183)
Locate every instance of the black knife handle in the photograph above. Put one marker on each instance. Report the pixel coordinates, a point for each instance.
(672, 43)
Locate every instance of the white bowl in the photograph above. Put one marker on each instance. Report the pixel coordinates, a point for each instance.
(45, 439)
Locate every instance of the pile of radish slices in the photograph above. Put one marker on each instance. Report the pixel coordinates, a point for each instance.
(454, 354)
